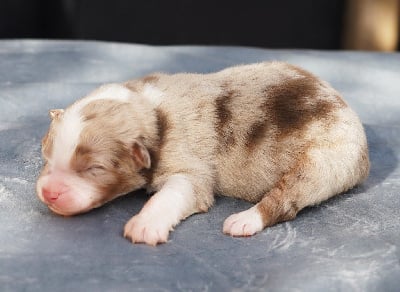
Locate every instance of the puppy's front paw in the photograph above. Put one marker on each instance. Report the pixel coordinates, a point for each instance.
(245, 223)
(140, 229)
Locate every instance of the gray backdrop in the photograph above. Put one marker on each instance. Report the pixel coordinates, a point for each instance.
(349, 243)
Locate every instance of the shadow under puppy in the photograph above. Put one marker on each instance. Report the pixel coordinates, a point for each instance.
(269, 133)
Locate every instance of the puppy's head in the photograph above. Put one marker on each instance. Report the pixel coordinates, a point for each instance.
(94, 151)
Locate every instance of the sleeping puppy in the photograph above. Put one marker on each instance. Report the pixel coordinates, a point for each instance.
(269, 133)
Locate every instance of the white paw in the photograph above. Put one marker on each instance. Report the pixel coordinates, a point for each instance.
(141, 229)
(245, 223)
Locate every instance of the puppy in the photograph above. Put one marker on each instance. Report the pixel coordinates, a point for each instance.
(269, 133)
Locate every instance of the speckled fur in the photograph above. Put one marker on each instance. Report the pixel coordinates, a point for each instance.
(269, 133)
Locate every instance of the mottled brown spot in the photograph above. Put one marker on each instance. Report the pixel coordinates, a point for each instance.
(291, 104)
(294, 103)
(224, 114)
(163, 126)
(256, 133)
(224, 117)
(276, 207)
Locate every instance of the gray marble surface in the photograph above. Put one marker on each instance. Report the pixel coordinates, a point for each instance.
(349, 243)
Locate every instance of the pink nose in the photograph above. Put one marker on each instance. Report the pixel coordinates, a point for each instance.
(50, 195)
(53, 193)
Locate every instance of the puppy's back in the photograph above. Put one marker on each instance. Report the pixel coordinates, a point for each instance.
(244, 127)
(268, 116)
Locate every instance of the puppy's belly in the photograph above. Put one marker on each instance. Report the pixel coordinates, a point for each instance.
(245, 178)
(251, 193)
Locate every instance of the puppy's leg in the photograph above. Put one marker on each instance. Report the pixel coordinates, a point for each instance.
(174, 202)
(319, 175)
(275, 207)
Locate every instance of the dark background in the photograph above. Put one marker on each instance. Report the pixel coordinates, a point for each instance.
(275, 24)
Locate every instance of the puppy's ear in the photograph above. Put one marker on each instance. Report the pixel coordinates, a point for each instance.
(140, 155)
(55, 113)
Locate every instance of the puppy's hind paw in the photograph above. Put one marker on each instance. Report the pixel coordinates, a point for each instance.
(245, 223)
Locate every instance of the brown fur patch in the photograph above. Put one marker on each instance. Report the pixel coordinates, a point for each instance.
(163, 126)
(280, 204)
(294, 103)
(110, 171)
(291, 104)
(224, 114)
(224, 118)
(81, 159)
(276, 207)
(101, 156)
(256, 133)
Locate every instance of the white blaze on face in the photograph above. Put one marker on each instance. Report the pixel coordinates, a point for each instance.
(71, 124)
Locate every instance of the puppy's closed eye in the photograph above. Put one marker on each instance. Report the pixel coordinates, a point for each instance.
(94, 170)
(95, 167)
